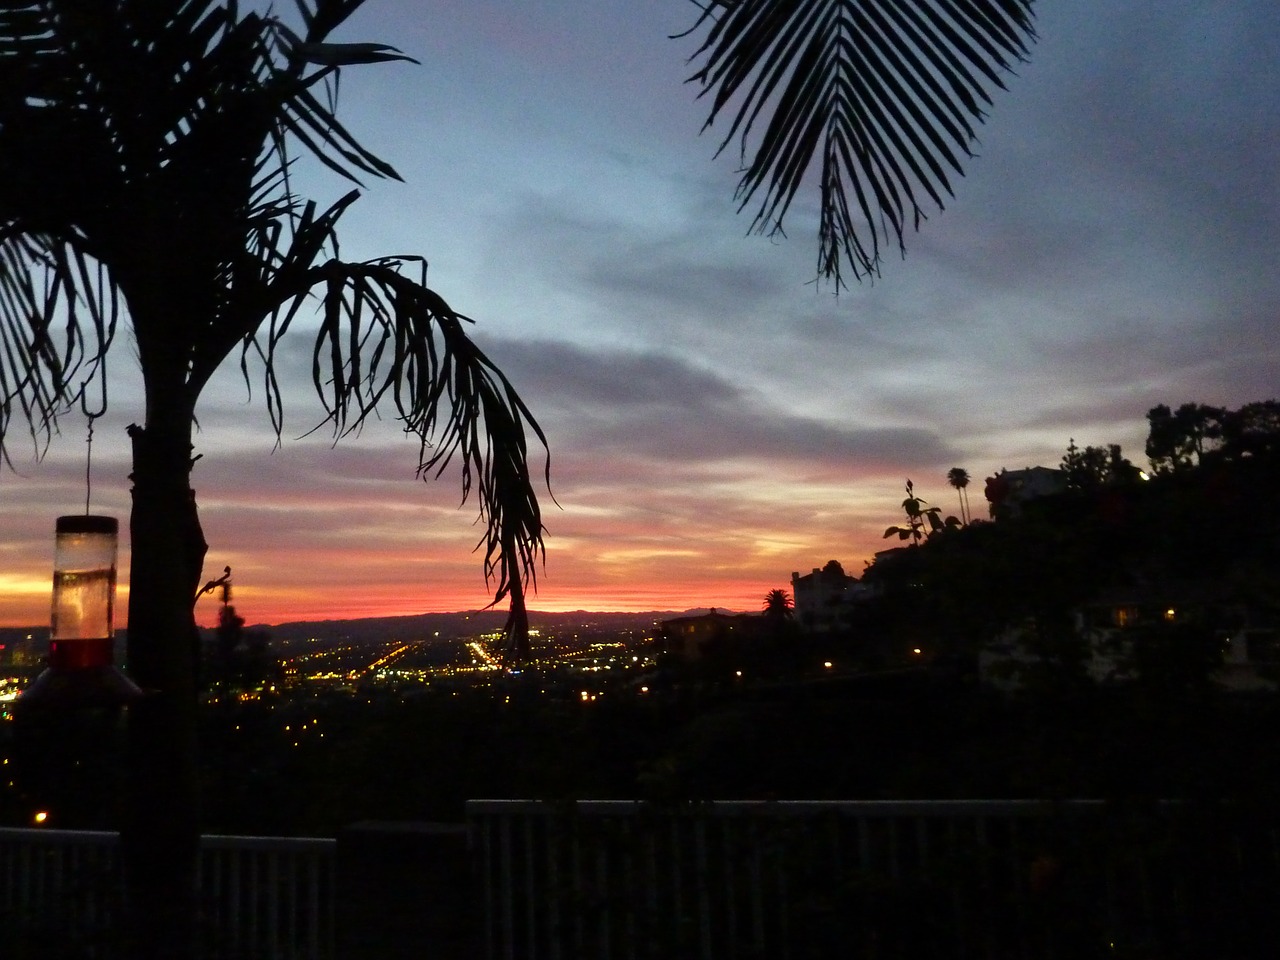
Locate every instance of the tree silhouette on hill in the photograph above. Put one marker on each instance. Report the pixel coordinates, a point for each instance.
(958, 477)
(778, 605)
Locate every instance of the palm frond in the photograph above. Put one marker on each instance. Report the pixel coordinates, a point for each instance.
(385, 336)
(877, 99)
(85, 174)
(58, 316)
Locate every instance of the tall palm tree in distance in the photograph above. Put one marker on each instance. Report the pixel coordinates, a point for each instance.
(145, 153)
(778, 605)
(958, 477)
(882, 97)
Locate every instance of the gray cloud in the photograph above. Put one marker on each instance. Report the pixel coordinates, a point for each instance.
(606, 402)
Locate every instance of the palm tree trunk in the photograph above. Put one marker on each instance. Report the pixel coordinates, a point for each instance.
(160, 819)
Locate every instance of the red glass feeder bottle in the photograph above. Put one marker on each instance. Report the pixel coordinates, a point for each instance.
(84, 592)
(81, 670)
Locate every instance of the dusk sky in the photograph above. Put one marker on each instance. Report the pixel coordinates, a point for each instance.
(715, 419)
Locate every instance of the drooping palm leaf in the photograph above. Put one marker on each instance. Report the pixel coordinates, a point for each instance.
(877, 99)
(386, 337)
(58, 317)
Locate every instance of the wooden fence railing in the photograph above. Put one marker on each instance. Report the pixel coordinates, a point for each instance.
(526, 880)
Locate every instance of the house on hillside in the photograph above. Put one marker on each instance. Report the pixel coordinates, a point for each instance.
(1009, 490)
(824, 599)
(1110, 627)
(692, 638)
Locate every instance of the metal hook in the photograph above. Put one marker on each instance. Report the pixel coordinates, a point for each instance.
(91, 416)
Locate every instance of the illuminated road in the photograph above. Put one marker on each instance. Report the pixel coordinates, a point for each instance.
(487, 659)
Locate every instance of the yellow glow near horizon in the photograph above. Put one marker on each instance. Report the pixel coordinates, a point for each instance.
(17, 584)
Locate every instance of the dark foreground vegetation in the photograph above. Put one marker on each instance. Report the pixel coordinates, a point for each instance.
(918, 734)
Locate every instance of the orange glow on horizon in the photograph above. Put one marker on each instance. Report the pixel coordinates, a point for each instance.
(266, 605)
(353, 549)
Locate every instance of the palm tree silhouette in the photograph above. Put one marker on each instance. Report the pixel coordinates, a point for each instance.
(778, 605)
(958, 477)
(145, 156)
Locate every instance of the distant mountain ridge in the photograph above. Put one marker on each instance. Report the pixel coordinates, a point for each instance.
(422, 625)
(459, 624)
